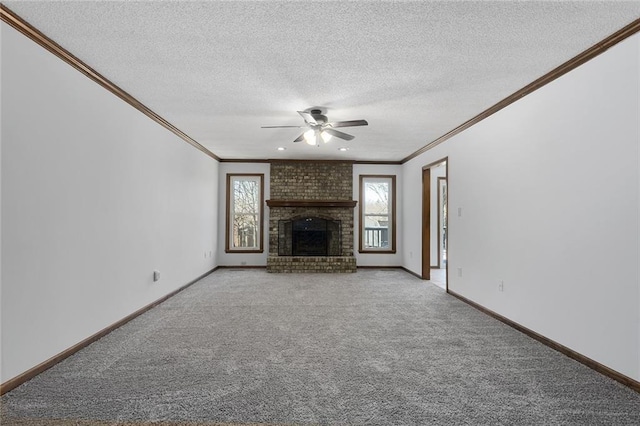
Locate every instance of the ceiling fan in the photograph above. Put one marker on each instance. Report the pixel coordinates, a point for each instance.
(320, 128)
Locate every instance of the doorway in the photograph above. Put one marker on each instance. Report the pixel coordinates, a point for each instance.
(435, 229)
(442, 222)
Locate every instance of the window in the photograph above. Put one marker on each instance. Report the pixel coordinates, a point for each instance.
(377, 214)
(244, 213)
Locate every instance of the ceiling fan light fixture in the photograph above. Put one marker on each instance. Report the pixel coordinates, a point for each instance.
(310, 137)
(321, 128)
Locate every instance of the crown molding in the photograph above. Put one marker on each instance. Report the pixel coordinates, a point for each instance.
(278, 160)
(281, 160)
(238, 160)
(571, 64)
(378, 163)
(26, 29)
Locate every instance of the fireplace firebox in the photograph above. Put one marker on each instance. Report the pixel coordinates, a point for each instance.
(309, 236)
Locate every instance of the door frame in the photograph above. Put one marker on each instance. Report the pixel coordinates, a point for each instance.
(440, 217)
(426, 219)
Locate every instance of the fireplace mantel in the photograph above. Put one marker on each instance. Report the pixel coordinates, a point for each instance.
(312, 203)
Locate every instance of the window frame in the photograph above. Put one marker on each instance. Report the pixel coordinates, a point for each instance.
(229, 223)
(392, 214)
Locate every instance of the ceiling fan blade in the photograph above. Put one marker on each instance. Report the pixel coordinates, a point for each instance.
(338, 134)
(350, 123)
(308, 117)
(278, 127)
(300, 138)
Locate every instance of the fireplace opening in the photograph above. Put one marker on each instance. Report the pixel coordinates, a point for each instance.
(309, 236)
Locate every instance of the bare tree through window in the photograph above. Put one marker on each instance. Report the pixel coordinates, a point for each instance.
(377, 209)
(245, 204)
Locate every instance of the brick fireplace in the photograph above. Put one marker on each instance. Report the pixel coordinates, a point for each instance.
(311, 217)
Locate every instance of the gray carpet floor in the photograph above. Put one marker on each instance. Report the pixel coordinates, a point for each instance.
(378, 347)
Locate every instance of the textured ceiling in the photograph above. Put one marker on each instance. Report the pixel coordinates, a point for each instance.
(220, 70)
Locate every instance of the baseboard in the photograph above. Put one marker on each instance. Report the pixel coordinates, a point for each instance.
(411, 272)
(389, 267)
(242, 267)
(31, 373)
(595, 365)
(378, 267)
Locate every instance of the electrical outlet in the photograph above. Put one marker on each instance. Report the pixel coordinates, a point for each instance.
(156, 276)
(460, 272)
(411, 254)
(501, 286)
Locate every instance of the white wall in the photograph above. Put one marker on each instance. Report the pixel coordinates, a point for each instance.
(549, 192)
(242, 259)
(95, 196)
(260, 259)
(378, 259)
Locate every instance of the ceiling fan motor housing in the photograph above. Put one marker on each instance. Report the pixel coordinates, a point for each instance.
(318, 116)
